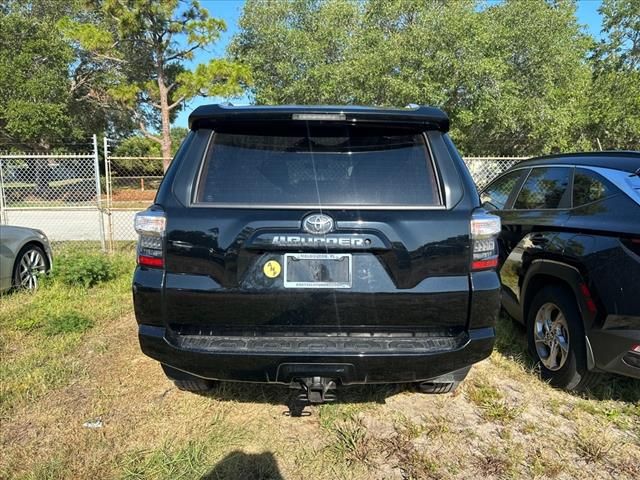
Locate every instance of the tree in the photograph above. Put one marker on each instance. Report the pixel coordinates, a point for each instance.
(507, 88)
(142, 147)
(614, 107)
(33, 64)
(148, 44)
(45, 96)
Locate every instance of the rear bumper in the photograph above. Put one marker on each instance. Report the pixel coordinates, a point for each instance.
(283, 366)
(611, 351)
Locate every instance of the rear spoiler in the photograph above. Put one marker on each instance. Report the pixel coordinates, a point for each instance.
(208, 116)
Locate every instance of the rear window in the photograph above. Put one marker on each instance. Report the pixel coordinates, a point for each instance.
(316, 165)
(589, 187)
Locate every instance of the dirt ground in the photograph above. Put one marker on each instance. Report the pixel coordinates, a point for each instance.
(501, 423)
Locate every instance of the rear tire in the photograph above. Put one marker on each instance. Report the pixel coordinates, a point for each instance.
(556, 339)
(188, 383)
(437, 388)
(194, 386)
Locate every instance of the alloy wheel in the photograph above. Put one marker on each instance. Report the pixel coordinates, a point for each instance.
(31, 266)
(551, 335)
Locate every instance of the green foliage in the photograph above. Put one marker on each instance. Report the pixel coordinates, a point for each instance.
(68, 322)
(621, 24)
(514, 76)
(70, 69)
(33, 64)
(614, 106)
(218, 78)
(84, 270)
(47, 89)
(140, 146)
(146, 44)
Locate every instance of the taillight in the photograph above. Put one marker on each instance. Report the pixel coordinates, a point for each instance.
(150, 226)
(485, 229)
(632, 244)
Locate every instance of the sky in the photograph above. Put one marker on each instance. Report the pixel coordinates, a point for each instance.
(230, 11)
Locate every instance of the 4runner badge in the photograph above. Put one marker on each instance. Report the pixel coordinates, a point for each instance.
(318, 224)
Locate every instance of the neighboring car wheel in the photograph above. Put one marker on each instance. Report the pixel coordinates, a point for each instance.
(31, 262)
(188, 383)
(555, 335)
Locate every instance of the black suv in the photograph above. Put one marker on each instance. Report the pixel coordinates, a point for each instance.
(317, 247)
(570, 261)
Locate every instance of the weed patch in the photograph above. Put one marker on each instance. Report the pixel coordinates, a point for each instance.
(84, 269)
(68, 322)
(431, 427)
(492, 404)
(593, 443)
(351, 443)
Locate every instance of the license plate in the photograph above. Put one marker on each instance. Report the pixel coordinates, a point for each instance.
(317, 270)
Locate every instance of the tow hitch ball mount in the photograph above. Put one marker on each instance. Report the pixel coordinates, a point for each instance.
(316, 390)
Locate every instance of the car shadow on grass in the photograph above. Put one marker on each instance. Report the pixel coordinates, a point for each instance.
(511, 341)
(288, 397)
(245, 466)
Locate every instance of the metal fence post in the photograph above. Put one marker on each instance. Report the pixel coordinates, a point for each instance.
(96, 166)
(3, 212)
(107, 174)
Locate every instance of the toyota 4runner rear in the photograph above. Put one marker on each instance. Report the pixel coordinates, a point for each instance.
(317, 247)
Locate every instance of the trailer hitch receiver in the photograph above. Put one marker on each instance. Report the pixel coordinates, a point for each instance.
(316, 390)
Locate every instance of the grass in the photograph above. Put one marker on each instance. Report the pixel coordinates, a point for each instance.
(41, 331)
(70, 354)
(593, 443)
(189, 460)
(493, 406)
(351, 444)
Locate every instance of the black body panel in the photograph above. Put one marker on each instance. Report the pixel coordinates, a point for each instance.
(209, 116)
(627, 161)
(348, 367)
(209, 275)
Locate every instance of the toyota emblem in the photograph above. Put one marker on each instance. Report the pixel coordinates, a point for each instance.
(318, 224)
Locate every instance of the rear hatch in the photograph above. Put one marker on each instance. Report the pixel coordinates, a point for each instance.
(305, 227)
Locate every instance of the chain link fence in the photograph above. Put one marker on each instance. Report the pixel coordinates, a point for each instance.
(485, 169)
(131, 183)
(75, 197)
(58, 193)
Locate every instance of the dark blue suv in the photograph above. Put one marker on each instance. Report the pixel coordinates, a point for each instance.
(570, 261)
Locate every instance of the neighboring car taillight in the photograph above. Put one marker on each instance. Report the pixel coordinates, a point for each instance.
(485, 229)
(150, 226)
(632, 244)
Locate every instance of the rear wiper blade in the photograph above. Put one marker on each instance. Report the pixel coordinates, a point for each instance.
(636, 173)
